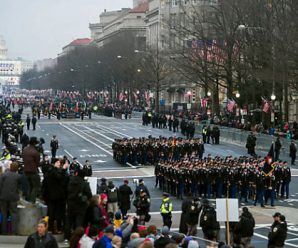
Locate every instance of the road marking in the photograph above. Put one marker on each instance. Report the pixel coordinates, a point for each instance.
(264, 237)
(92, 130)
(129, 177)
(99, 161)
(115, 132)
(91, 137)
(91, 142)
(68, 153)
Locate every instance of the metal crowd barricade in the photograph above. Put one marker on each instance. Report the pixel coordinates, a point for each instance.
(239, 137)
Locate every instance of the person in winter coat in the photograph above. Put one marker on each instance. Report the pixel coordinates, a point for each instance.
(31, 158)
(142, 204)
(124, 195)
(55, 189)
(192, 220)
(41, 238)
(244, 229)
(10, 186)
(88, 240)
(112, 198)
(78, 194)
(183, 218)
(106, 240)
(278, 233)
(293, 150)
(103, 208)
(210, 226)
(277, 147)
(103, 188)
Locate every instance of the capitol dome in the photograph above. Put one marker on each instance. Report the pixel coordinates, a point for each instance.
(3, 49)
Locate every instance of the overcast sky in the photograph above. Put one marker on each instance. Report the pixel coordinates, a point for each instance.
(36, 29)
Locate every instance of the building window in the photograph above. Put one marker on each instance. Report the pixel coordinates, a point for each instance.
(174, 3)
(173, 20)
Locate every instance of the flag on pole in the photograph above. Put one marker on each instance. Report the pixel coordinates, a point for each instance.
(60, 106)
(230, 105)
(51, 106)
(266, 105)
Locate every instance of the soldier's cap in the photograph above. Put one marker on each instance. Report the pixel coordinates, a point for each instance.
(165, 194)
(277, 214)
(103, 179)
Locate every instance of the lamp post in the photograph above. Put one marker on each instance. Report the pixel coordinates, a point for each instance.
(273, 98)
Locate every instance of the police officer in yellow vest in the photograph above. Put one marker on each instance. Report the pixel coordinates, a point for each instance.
(5, 154)
(166, 210)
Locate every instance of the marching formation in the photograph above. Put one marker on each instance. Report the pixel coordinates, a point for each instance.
(149, 151)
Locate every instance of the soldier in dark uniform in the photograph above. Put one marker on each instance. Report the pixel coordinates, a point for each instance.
(285, 179)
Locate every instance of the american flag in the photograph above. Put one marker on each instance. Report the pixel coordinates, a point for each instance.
(230, 105)
(121, 96)
(266, 105)
(204, 102)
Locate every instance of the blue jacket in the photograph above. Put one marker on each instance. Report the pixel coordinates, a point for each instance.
(104, 242)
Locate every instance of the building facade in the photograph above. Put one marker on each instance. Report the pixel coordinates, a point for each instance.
(11, 70)
(112, 23)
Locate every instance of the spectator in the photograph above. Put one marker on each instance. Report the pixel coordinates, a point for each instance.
(124, 197)
(55, 190)
(78, 194)
(106, 240)
(116, 242)
(75, 237)
(87, 241)
(10, 186)
(31, 160)
(41, 237)
(193, 212)
(117, 220)
(293, 150)
(103, 209)
(244, 229)
(164, 239)
(112, 198)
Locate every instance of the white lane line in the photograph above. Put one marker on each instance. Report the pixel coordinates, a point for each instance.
(113, 170)
(68, 153)
(91, 142)
(106, 137)
(91, 137)
(114, 132)
(264, 237)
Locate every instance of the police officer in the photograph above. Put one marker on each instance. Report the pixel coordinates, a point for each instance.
(142, 204)
(278, 232)
(166, 210)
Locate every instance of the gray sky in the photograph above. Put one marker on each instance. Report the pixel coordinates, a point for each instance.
(36, 29)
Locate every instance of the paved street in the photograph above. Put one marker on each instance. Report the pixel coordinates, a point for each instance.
(92, 139)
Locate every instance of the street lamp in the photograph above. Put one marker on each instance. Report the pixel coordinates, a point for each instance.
(139, 70)
(273, 97)
(209, 93)
(237, 95)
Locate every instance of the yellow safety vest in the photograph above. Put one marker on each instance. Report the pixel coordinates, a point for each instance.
(166, 206)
